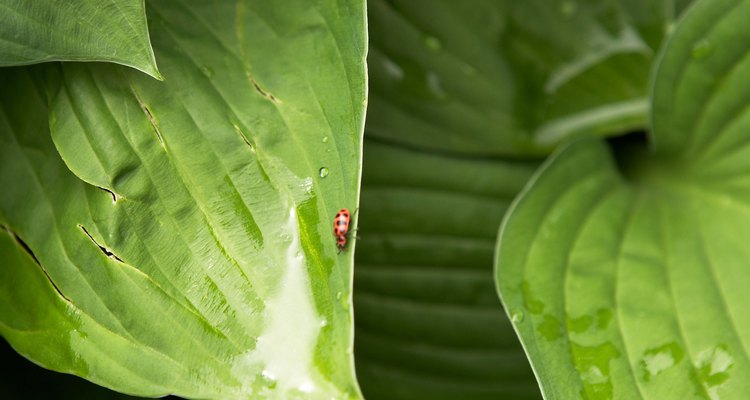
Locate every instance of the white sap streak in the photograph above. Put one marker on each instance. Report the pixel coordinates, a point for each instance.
(287, 344)
(281, 366)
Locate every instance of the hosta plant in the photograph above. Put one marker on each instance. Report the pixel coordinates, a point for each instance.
(171, 171)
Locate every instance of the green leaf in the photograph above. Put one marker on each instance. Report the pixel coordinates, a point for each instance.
(429, 325)
(25, 380)
(509, 78)
(181, 240)
(81, 30)
(625, 270)
(454, 85)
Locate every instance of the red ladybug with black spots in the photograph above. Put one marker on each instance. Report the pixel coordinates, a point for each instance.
(341, 228)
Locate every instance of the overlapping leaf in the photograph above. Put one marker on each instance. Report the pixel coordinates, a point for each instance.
(633, 283)
(182, 243)
(80, 30)
(508, 77)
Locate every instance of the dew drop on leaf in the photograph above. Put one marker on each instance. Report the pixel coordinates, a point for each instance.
(343, 298)
(394, 70)
(713, 365)
(568, 8)
(269, 379)
(207, 71)
(435, 85)
(325, 139)
(659, 359)
(517, 317)
(323, 172)
(433, 43)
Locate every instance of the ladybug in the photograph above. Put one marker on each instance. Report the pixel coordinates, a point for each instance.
(341, 228)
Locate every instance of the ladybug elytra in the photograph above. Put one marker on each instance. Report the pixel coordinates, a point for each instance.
(341, 228)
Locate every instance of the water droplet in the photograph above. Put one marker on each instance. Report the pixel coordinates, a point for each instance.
(517, 317)
(435, 85)
(394, 70)
(207, 71)
(593, 376)
(323, 172)
(702, 49)
(670, 28)
(568, 8)
(323, 323)
(714, 365)
(433, 43)
(338, 295)
(660, 358)
(344, 300)
(325, 139)
(269, 379)
(594, 363)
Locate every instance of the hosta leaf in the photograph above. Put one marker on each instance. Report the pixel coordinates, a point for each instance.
(626, 272)
(429, 325)
(469, 78)
(509, 77)
(181, 240)
(25, 380)
(81, 30)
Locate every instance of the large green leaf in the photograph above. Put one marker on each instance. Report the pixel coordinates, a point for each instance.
(75, 30)
(509, 77)
(429, 325)
(453, 82)
(626, 274)
(181, 240)
(24, 380)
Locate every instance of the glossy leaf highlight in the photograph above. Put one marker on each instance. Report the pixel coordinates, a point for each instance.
(81, 30)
